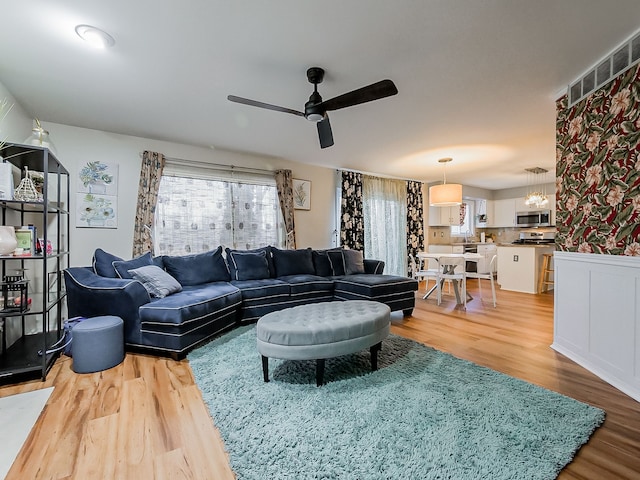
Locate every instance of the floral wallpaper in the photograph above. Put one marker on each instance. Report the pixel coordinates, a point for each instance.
(598, 169)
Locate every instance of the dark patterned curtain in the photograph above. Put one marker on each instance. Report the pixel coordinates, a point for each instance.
(150, 175)
(463, 213)
(351, 216)
(284, 183)
(415, 224)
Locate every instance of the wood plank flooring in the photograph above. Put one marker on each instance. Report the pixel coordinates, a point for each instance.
(145, 419)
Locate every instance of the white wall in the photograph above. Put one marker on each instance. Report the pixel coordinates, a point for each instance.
(76, 146)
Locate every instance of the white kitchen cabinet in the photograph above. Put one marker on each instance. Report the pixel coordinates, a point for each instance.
(504, 213)
(444, 216)
(487, 250)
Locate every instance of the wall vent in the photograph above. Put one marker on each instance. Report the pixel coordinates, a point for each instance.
(621, 59)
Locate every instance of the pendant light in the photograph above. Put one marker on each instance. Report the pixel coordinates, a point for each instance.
(447, 194)
(536, 189)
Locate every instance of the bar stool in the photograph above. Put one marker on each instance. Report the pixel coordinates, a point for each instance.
(544, 274)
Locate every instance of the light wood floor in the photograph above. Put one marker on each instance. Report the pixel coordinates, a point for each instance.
(145, 418)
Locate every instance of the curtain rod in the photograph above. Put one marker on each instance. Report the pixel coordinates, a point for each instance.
(215, 166)
(378, 175)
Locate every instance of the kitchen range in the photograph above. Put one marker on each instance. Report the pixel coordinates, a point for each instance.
(536, 238)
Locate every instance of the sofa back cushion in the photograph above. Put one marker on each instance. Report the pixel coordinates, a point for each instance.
(293, 262)
(336, 259)
(122, 267)
(103, 263)
(248, 265)
(199, 268)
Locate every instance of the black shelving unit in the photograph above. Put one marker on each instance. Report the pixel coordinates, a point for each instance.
(26, 357)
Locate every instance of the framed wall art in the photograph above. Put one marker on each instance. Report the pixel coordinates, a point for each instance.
(301, 194)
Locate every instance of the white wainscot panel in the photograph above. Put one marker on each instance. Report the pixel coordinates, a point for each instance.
(597, 320)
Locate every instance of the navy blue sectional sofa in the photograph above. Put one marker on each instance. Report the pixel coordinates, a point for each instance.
(169, 304)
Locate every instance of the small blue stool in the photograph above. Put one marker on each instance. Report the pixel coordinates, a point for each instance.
(98, 344)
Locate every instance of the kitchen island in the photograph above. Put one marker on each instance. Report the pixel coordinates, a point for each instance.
(520, 265)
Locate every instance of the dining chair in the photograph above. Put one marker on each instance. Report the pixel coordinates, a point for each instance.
(486, 276)
(418, 272)
(452, 268)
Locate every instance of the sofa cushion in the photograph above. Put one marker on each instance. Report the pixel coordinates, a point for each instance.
(156, 281)
(199, 268)
(303, 284)
(353, 262)
(372, 286)
(103, 263)
(123, 266)
(292, 262)
(191, 304)
(248, 265)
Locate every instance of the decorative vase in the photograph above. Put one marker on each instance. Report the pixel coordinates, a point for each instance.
(98, 187)
(8, 241)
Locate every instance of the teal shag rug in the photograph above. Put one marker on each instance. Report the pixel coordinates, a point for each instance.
(423, 415)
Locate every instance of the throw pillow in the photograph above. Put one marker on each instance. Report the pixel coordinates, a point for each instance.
(267, 250)
(123, 266)
(249, 265)
(293, 262)
(353, 261)
(199, 268)
(156, 281)
(321, 262)
(103, 263)
(336, 258)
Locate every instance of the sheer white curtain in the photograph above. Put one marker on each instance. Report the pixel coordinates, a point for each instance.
(199, 209)
(385, 222)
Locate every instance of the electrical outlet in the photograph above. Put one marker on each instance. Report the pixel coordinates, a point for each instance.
(434, 234)
(442, 234)
(515, 258)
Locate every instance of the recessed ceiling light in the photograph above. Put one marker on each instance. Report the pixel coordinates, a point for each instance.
(94, 36)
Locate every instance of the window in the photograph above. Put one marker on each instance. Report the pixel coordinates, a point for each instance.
(467, 227)
(199, 209)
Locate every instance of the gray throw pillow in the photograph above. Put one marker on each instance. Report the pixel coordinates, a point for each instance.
(156, 281)
(353, 262)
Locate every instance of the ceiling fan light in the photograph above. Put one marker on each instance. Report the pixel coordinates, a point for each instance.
(94, 36)
(315, 117)
(445, 195)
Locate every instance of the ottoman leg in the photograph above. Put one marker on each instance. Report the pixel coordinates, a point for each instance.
(265, 368)
(320, 372)
(374, 356)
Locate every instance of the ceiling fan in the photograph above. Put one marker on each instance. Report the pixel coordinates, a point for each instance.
(315, 110)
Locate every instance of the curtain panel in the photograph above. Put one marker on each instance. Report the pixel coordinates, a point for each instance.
(415, 223)
(150, 175)
(284, 183)
(385, 220)
(351, 212)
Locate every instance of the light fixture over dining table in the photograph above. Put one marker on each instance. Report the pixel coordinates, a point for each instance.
(447, 194)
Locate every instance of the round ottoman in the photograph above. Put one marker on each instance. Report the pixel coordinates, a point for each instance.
(98, 344)
(318, 331)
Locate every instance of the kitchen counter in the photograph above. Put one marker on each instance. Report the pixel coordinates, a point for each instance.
(528, 245)
(519, 266)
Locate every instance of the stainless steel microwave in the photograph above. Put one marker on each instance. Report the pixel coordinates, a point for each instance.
(533, 218)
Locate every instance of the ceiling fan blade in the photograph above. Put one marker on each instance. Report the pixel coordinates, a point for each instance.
(375, 91)
(324, 132)
(268, 106)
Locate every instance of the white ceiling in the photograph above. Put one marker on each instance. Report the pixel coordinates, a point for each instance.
(477, 80)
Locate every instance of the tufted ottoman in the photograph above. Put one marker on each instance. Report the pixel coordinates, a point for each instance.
(318, 331)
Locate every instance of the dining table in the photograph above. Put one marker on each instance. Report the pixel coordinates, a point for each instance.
(470, 257)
